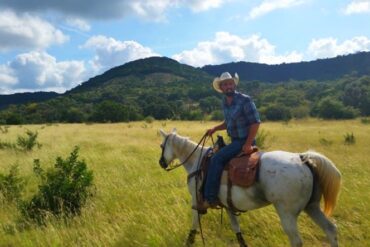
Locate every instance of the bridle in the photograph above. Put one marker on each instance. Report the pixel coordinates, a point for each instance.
(162, 160)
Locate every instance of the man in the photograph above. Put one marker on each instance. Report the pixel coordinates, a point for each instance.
(241, 122)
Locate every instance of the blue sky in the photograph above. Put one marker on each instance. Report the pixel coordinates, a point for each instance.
(53, 45)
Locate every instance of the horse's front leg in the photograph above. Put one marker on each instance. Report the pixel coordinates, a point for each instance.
(194, 228)
(195, 214)
(236, 228)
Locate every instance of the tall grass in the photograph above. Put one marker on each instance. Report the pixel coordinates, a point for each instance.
(139, 204)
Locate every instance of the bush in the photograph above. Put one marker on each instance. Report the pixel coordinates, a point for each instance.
(330, 108)
(217, 115)
(11, 185)
(276, 112)
(4, 129)
(4, 145)
(365, 120)
(29, 141)
(349, 139)
(325, 142)
(149, 119)
(261, 139)
(63, 190)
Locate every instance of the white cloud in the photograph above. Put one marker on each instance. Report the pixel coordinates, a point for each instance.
(26, 31)
(268, 6)
(227, 48)
(329, 47)
(357, 7)
(7, 77)
(78, 23)
(203, 5)
(35, 71)
(110, 52)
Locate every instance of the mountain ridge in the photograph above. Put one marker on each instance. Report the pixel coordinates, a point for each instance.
(163, 88)
(320, 69)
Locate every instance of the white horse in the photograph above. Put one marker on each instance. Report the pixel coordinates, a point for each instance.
(285, 180)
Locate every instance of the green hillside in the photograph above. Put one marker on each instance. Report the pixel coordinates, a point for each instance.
(162, 88)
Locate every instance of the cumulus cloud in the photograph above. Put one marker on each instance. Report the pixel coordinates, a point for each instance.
(329, 47)
(268, 6)
(228, 48)
(357, 7)
(110, 52)
(35, 71)
(26, 31)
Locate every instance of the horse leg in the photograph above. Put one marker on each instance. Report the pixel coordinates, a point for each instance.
(289, 222)
(195, 225)
(236, 228)
(314, 211)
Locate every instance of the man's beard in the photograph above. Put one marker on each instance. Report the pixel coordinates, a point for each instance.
(230, 94)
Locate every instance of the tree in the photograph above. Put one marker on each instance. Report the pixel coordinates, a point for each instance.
(330, 108)
(276, 112)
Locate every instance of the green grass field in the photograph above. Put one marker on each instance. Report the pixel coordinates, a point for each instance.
(139, 204)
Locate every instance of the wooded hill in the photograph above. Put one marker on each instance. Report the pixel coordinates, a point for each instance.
(162, 88)
(320, 70)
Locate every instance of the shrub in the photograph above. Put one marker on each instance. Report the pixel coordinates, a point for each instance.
(325, 142)
(261, 139)
(217, 115)
(29, 141)
(349, 139)
(4, 145)
(275, 112)
(149, 119)
(63, 191)
(11, 184)
(365, 120)
(4, 129)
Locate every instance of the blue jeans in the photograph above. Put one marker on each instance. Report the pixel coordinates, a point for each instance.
(218, 161)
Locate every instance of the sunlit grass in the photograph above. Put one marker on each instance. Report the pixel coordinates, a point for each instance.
(139, 204)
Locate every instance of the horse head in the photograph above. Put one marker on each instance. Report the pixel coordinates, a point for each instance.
(168, 154)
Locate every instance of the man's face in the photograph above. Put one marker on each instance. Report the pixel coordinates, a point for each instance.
(228, 87)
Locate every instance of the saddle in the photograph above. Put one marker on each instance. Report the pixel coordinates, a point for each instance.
(240, 171)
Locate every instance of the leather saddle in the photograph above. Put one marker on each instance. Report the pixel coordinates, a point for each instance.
(240, 171)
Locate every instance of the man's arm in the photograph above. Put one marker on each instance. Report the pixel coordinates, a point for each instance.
(247, 147)
(221, 126)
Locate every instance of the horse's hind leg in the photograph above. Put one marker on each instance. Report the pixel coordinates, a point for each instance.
(314, 211)
(236, 228)
(289, 222)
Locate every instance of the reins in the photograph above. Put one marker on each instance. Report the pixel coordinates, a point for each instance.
(202, 141)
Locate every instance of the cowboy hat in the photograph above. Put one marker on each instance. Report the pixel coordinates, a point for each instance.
(224, 77)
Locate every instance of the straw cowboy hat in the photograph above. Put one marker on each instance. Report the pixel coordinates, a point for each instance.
(224, 77)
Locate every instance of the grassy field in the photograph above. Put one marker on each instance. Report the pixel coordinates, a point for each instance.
(139, 204)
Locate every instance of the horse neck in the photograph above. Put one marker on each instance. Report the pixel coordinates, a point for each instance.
(184, 148)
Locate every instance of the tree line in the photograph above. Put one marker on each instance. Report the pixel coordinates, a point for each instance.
(345, 98)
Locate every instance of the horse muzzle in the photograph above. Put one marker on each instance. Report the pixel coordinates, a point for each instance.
(163, 163)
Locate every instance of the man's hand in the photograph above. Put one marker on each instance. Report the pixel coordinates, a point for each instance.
(248, 149)
(211, 131)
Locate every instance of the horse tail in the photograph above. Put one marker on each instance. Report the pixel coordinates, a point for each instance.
(329, 178)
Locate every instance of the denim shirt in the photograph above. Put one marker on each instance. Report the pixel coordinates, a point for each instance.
(240, 115)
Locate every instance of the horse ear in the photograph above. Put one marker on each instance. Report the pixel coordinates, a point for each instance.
(174, 130)
(164, 134)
